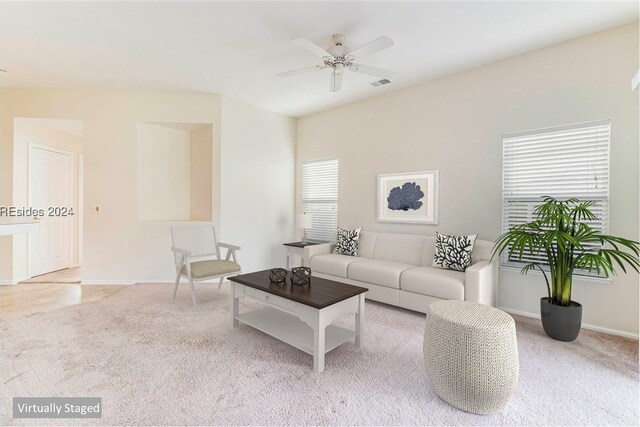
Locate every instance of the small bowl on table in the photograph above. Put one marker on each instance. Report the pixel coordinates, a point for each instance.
(301, 276)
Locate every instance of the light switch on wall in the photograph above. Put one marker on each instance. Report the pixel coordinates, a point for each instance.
(96, 209)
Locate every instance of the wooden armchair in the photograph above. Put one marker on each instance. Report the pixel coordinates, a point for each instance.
(197, 256)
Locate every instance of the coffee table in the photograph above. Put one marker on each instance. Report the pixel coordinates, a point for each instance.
(300, 315)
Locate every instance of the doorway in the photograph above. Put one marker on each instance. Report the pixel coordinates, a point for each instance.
(48, 156)
(50, 196)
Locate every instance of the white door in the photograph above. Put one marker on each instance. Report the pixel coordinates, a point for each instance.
(49, 187)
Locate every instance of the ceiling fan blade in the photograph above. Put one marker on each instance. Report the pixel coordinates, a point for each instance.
(301, 71)
(336, 82)
(372, 71)
(312, 47)
(372, 47)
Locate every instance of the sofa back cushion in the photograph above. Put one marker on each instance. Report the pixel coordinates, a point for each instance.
(405, 248)
(481, 250)
(428, 251)
(367, 243)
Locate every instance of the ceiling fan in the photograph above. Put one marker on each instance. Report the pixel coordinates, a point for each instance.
(338, 58)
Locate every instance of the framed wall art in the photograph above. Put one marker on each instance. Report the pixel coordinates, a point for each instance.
(408, 197)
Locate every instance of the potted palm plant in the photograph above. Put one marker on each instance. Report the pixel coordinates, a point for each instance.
(562, 235)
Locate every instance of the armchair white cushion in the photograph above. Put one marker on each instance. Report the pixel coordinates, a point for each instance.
(197, 256)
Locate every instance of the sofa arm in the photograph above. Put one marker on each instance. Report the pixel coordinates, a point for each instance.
(481, 282)
(310, 251)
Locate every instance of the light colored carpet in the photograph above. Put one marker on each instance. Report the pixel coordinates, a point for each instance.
(156, 361)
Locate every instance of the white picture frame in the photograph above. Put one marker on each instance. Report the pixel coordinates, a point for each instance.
(410, 197)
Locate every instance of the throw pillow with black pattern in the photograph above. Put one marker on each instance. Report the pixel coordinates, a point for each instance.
(347, 242)
(453, 252)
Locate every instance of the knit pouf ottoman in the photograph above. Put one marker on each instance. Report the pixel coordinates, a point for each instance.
(471, 355)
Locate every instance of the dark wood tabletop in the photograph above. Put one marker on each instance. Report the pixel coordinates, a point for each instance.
(320, 293)
(301, 244)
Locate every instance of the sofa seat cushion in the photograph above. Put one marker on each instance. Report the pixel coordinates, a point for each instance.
(435, 282)
(378, 272)
(333, 264)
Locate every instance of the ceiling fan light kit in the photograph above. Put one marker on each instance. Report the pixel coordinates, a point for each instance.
(338, 58)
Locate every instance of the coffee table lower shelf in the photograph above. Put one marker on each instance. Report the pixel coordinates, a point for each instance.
(293, 331)
(296, 317)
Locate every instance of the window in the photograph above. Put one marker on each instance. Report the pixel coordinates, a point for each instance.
(564, 162)
(320, 198)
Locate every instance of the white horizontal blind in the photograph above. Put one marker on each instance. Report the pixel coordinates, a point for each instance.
(566, 162)
(320, 198)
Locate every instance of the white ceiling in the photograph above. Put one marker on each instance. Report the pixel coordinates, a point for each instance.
(236, 49)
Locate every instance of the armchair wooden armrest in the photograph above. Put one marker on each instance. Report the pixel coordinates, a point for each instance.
(231, 251)
(228, 246)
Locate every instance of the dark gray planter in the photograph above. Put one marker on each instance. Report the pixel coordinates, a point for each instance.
(559, 322)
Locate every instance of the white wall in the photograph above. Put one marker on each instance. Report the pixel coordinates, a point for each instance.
(201, 158)
(454, 124)
(252, 199)
(117, 247)
(258, 151)
(163, 173)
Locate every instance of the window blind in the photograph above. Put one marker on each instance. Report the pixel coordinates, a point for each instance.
(564, 162)
(320, 198)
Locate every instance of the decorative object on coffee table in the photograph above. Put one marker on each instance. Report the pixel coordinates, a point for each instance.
(408, 197)
(471, 355)
(278, 275)
(300, 276)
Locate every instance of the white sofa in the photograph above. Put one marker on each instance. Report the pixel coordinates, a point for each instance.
(396, 268)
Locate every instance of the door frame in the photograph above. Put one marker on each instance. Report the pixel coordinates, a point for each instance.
(80, 211)
(31, 146)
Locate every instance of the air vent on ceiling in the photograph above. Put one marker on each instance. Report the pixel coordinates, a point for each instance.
(381, 82)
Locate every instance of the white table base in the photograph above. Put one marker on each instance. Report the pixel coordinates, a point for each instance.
(304, 327)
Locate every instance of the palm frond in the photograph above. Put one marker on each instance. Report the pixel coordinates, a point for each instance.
(593, 261)
(582, 211)
(532, 266)
(561, 232)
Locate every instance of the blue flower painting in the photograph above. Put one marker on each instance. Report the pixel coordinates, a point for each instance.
(405, 198)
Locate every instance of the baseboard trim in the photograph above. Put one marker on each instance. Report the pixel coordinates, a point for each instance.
(119, 282)
(584, 325)
(108, 282)
(13, 282)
